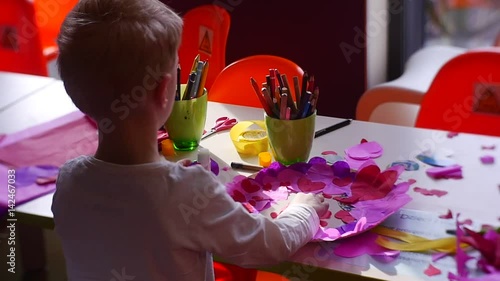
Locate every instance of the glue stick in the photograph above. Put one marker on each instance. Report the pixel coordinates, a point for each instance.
(204, 158)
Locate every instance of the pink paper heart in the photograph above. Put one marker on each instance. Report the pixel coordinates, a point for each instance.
(249, 187)
(345, 216)
(238, 196)
(307, 185)
(371, 184)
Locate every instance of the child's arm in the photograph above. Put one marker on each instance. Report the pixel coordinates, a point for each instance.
(212, 221)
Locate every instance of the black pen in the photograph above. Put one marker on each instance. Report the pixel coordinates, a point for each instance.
(332, 128)
(236, 165)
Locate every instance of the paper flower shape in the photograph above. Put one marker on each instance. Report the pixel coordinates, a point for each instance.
(359, 200)
(361, 153)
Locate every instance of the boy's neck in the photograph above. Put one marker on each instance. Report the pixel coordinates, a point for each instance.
(127, 146)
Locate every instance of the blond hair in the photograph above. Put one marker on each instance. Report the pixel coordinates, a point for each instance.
(108, 47)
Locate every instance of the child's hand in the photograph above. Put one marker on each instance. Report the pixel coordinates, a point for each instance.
(185, 162)
(317, 201)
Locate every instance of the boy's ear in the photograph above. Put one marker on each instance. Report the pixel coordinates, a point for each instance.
(162, 94)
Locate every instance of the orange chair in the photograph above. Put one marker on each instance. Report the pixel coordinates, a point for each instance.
(233, 83)
(465, 95)
(205, 32)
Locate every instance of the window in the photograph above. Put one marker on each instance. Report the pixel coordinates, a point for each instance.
(462, 23)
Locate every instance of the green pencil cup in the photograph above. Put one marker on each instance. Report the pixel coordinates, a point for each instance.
(290, 140)
(186, 123)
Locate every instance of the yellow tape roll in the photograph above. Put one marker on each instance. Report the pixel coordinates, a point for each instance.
(249, 137)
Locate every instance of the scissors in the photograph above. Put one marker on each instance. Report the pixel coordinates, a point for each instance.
(221, 124)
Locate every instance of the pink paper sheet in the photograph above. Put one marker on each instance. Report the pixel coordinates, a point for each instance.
(51, 143)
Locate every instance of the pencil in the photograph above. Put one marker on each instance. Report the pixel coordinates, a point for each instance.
(332, 128)
(178, 90)
(195, 62)
(291, 104)
(256, 89)
(297, 90)
(203, 79)
(283, 106)
(242, 166)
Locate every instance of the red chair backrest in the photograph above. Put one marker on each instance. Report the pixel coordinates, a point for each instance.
(205, 32)
(233, 83)
(20, 45)
(451, 101)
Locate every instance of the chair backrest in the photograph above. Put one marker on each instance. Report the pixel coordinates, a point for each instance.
(465, 95)
(205, 32)
(233, 83)
(20, 44)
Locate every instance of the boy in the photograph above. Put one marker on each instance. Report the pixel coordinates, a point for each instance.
(121, 214)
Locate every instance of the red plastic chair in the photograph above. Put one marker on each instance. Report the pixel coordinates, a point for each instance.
(205, 32)
(233, 83)
(20, 43)
(28, 32)
(453, 103)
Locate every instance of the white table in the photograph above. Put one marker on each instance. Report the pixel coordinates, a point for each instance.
(475, 196)
(14, 87)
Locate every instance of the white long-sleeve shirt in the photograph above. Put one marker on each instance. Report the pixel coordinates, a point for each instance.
(163, 221)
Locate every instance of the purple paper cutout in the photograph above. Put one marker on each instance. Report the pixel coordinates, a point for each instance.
(453, 171)
(317, 160)
(341, 169)
(214, 167)
(361, 245)
(487, 159)
(26, 176)
(24, 194)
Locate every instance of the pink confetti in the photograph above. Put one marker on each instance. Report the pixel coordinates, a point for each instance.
(487, 159)
(329, 152)
(225, 169)
(448, 215)
(430, 192)
(488, 147)
(432, 271)
(274, 215)
(466, 222)
(412, 181)
(452, 134)
(323, 223)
